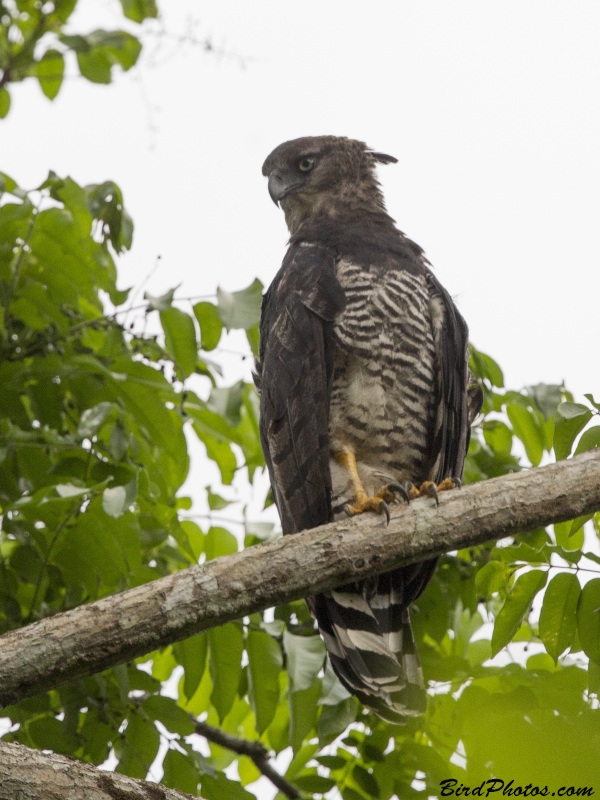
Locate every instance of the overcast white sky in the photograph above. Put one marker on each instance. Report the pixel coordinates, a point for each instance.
(493, 110)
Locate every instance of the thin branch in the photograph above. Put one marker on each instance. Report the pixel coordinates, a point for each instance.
(254, 750)
(128, 625)
(44, 566)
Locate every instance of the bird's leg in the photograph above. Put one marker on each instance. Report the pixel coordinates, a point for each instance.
(362, 501)
(429, 488)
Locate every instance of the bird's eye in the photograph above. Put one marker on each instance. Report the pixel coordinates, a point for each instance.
(306, 164)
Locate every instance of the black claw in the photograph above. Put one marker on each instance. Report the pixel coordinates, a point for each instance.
(347, 510)
(432, 490)
(386, 510)
(401, 490)
(457, 483)
(408, 486)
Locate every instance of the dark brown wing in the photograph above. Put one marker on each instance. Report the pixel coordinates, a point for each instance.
(459, 400)
(293, 376)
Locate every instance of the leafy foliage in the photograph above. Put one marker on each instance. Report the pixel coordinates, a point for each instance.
(33, 44)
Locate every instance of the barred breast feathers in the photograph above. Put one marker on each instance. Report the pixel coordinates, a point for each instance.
(384, 372)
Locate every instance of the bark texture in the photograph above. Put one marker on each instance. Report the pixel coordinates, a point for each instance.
(113, 630)
(32, 775)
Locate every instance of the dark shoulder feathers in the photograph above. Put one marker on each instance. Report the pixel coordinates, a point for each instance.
(294, 375)
(459, 398)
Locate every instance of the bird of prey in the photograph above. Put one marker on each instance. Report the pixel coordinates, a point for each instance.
(365, 395)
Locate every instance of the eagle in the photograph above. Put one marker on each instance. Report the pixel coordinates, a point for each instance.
(365, 395)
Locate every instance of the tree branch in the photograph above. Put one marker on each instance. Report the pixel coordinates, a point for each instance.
(32, 775)
(254, 750)
(113, 630)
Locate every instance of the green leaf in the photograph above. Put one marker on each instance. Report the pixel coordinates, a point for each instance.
(47, 732)
(77, 43)
(118, 441)
(210, 323)
(365, 780)
(541, 661)
(227, 402)
(547, 397)
(516, 608)
(119, 47)
(589, 440)
(305, 659)
(498, 436)
(95, 65)
(4, 102)
(571, 418)
(162, 303)
(116, 501)
(333, 691)
(483, 366)
(572, 410)
(303, 713)
(226, 647)
(264, 664)
(567, 537)
(240, 309)
(141, 746)
(588, 619)
(335, 719)
(215, 501)
(332, 762)
(69, 490)
(165, 710)
(314, 783)
(92, 418)
(180, 772)
(253, 336)
(219, 451)
(527, 429)
(590, 397)
(492, 577)
(248, 771)
(220, 787)
(191, 654)
(279, 730)
(7, 184)
(594, 678)
(180, 340)
(300, 760)
(50, 72)
(138, 11)
(219, 542)
(558, 618)
(578, 523)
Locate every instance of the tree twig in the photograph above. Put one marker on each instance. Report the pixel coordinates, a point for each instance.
(254, 750)
(122, 627)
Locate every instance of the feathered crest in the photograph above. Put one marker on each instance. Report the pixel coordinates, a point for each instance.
(383, 158)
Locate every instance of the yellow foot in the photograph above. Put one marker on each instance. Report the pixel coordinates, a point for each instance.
(379, 503)
(429, 489)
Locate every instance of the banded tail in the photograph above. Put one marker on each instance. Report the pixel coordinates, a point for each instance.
(367, 632)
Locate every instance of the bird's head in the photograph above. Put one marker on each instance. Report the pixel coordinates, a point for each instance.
(323, 174)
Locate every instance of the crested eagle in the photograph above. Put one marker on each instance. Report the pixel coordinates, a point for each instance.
(365, 395)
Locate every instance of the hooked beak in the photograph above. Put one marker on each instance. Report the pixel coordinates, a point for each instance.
(279, 187)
